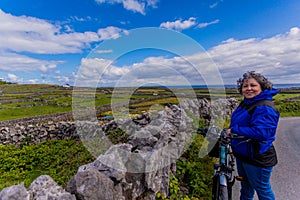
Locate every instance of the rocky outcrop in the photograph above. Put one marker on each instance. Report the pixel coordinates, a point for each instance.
(138, 169)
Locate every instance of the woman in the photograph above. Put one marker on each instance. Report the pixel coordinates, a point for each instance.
(256, 118)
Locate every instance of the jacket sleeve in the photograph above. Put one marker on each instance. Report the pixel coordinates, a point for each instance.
(262, 126)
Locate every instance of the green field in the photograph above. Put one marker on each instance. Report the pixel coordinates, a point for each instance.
(27, 100)
(60, 159)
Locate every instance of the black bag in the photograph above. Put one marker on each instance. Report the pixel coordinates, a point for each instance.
(214, 152)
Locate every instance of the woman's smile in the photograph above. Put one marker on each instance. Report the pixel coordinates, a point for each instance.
(251, 88)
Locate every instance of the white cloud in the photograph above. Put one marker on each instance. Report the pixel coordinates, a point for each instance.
(80, 19)
(276, 57)
(214, 5)
(17, 62)
(110, 33)
(13, 78)
(158, 70)
(33, 81)
(22, 34)
(62, 79)
(29, 34)
(185, 24)
(133, 5)
(104, 51)
(93, 70)
(294, 32)
(179, 24)
(203, 25)
(152, 3)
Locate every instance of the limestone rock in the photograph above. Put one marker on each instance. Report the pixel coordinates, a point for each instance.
(94, 185)
(15, 192)
(45, 188)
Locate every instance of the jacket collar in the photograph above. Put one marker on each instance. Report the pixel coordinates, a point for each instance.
(264, 95)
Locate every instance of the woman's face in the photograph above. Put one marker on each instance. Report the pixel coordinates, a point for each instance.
(251, 88)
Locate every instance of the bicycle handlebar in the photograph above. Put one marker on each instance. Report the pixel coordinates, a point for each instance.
(236, 136)
(214, 131)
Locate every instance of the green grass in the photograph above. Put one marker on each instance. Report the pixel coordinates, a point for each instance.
(289, 109)
(59, 159)
(281, 97)
(27, 100)
(194, 172)
(15, 113)
(289, 114)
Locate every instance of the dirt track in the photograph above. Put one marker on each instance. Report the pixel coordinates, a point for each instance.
(286, 174)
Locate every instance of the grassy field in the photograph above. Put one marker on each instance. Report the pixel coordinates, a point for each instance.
(60, 159)
(27, 100)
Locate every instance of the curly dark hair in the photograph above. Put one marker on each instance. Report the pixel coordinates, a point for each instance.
(263, 81)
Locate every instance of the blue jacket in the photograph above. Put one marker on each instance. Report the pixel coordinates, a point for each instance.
(259, 126)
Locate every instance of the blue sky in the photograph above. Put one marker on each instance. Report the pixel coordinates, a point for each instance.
(68, 41)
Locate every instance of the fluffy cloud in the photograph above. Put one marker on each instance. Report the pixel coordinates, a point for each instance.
(28, 34)
(110, 33)
(133, 5)
(21, 63)
(13, 78)
(20, 35)
(276, 57)
(152, 70)
(179, 24)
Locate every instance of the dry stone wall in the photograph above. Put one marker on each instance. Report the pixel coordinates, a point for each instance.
(138, 169)
(37, 129)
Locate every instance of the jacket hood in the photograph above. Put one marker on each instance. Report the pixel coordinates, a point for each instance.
(264, 95)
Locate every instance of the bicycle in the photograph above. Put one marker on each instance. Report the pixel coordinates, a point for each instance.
(223, 179)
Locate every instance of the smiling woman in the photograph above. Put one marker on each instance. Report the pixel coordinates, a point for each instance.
(251, 88)
(256, 118)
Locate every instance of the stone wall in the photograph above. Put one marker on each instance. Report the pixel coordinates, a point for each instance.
(138, 169)
(37, 129)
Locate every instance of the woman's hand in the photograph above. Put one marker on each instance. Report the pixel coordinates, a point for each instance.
(228, 131)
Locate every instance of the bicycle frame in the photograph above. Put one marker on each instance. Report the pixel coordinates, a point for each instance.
(223, 178)
(223, 171)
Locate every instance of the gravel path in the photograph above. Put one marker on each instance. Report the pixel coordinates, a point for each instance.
(286, 174)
